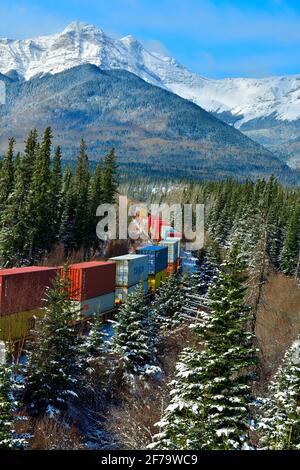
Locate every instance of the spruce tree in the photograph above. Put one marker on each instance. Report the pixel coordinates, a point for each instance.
(81, 188)
(13, 223)
(53, 372)
(7, 174)
(9, 438)
(38, 208)
(291, 245)
(168, 303)
(109, 179)
(31, 147)
(279, 420)
(132, 341)
(56, 194)
(68, 202)
(95, 199)
(210, 395)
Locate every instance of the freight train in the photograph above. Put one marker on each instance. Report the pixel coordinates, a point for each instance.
(95, 287)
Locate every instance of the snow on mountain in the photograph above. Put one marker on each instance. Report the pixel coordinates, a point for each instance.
(79, 43)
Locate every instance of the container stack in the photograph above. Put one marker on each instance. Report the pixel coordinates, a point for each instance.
(131, 270)
(22, 297)
(178, 239)
(157, 264)
(173, 250)
(92, 287)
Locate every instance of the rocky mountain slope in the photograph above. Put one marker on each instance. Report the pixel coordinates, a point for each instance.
(267, 110)
(154, 131)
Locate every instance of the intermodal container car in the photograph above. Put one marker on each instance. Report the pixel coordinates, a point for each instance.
(179, 243)
(97, 305)
(23, 289)
(122, 292)
(155, 280)
(157, 257)
(131, 269)
(18, 326)
(91, 279)
(172, 249)
(172, 268)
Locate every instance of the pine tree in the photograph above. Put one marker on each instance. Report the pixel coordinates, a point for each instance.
(38, 204)
(7, 174)
(291, 246)
(109, 180)
(95, 199)
(132, 341)
(81, 188)
(31, 148)
(67, 210)
(168, 303)
(13, 223)
(211, 392)
(9, 438)
(53, 373)
(56, 194)
(95, 345)
(279, 421)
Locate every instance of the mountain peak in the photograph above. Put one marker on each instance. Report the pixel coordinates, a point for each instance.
(80, 26)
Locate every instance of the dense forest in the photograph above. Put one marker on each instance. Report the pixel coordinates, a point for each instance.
(189, 370)
(43, 205)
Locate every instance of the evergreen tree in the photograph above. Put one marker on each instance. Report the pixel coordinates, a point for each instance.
(81, 188)
(54, 370)
(109, 179)
(211, 392)
(95, 199)
(38, 207)
(7, 174)
(95, 345)
(132, 341)
(13, 223)
(31, 147)
(56, 194)
(9, 438)
(68, 210)
(168, 303)
(291, 245)
(279, 422)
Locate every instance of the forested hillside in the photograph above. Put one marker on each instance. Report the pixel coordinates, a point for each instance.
(154, 131)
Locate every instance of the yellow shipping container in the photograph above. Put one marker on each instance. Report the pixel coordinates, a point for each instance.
(155, 280)
(17, 326)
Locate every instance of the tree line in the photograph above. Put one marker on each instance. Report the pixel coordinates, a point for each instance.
(42, 205)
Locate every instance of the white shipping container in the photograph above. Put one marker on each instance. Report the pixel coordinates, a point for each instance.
(172, 249)
(90, 307)
(177, 240)
(131, 269)
(122, 292)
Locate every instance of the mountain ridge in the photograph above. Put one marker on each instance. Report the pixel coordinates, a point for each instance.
(152, 129)
(265, 109)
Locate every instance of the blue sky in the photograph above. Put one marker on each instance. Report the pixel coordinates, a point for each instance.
(216, 38)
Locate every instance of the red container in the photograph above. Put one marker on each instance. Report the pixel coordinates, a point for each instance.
(172, 268)
(24, 289)
(91, 279)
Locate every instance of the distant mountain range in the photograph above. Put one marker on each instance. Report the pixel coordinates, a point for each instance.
(154, 131)
(267, 110)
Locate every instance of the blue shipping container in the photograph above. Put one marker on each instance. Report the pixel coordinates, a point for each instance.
(131, 269)
(157, 257)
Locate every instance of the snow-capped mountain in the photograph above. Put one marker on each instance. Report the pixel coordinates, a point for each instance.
(255, 106)
(81, 43)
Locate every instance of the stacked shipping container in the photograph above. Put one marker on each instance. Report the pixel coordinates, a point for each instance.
(22, 296)
(92, 287)
(157, 264)
(173, 250)
(130, 271)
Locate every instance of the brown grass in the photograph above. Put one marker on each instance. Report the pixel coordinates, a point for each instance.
(51, 434)
(278, 321)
